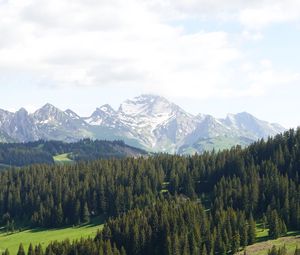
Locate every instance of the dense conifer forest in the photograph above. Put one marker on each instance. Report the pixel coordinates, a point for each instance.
(42, 152)
(163, 204)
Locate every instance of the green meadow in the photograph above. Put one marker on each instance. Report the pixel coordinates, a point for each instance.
(62, 158)
(263, 244)
(46, 236)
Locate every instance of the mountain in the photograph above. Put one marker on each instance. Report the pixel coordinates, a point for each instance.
(18, 126)
(148, 121)
(158, 123)
(55, 124)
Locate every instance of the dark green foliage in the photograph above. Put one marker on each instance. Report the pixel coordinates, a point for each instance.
(176, 227)
(39, 250)
(21, 250)
(85, 213)
(31, 250)
(253, 180)
(22, 155)
(251, 230)
(59, 195)
(84, 247)
(277, 226)
(6, 252)
(275, 251)
(42, 152)
(155, 201)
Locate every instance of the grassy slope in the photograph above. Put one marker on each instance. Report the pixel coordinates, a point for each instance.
(62, 158)
(220, 143)
(216, 143)
(103, 133)
(45, 236)
(291, 241)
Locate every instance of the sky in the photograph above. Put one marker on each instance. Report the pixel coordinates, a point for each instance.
(214, 57)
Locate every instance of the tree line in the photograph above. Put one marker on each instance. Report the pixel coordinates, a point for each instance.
(156, 201)
(42, 152)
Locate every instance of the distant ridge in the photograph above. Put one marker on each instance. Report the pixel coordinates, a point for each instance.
(50, 152)
(148, 121)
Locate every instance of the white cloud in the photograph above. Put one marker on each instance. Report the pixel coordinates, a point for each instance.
(252, 36)
(272, 12)
(253, 15)
(131, 43)
(263, 78)
(104, 43)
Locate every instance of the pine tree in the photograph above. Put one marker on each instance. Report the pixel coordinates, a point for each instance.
(235, 243)
(297, 251)
(108, 248)
(21, 250)
(49, 250)
(186, 247)
(274, 225)
(59, 215)
(273, 251)
(282, 251)
(244, 235)
(6, 252)
(39, 250)
(204, 251)
(30, 250)
(283, 228)
(123, 252)
(102, 202)
(251, 230)
(85, 213)
(175, 248)
(77, 213)
(168, 246)
(101, 252)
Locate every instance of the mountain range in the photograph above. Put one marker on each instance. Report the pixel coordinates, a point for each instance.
(148, 121)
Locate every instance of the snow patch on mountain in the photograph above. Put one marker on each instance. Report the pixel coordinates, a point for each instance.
(149, 121)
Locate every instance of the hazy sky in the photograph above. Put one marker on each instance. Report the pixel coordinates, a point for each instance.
(208, 56)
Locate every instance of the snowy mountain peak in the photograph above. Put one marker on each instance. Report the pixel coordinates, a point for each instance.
(47, 110)
(149, 121)
(150, 105)
(148, 98)
(104, 115)
(49, 107)
(72, 114)
(249, 126)
(245, 115)
(50, 115)
(107, 109)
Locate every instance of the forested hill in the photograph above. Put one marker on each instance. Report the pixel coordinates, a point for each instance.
(22, 154)
(164, 204)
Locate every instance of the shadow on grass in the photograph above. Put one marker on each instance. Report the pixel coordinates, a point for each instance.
(267, 238)
(262, 239)
(96, 221)
(293, 233)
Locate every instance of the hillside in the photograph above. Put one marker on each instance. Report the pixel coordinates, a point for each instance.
(163, 204)
(49, 152)
(46, 236)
